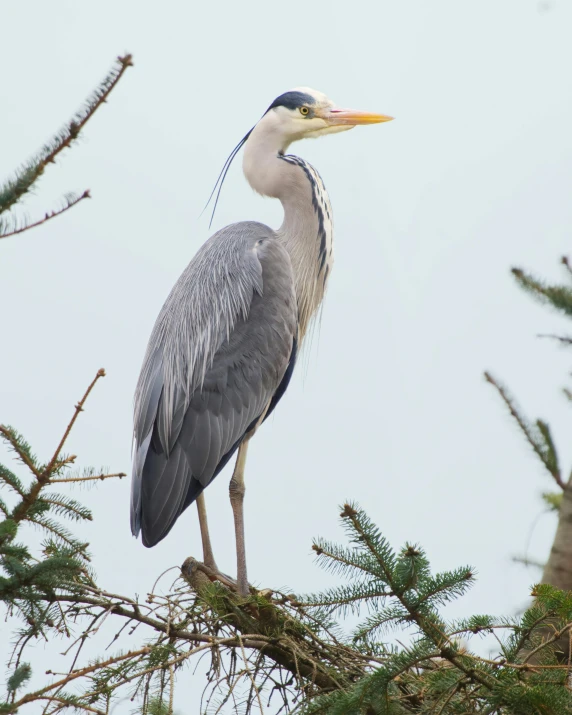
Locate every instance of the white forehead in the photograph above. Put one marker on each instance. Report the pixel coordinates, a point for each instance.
(320, 97)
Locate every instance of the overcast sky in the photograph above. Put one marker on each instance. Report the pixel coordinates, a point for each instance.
(388, 407)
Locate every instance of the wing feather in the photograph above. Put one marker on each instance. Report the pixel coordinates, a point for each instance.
(215, 361)
(163, 494)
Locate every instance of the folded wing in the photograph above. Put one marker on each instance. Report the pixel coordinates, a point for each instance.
(222, 350)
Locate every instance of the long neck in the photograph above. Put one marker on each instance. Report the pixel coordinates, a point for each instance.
(307, 229)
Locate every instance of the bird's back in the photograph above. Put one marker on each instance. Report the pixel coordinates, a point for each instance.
(217, 358)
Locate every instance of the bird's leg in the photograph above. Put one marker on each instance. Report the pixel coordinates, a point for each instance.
(236, 491)
(208, 556)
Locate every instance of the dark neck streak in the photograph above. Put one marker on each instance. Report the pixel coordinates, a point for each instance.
(316, 205)
(306, 232)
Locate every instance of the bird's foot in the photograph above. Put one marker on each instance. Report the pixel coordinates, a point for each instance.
(197, 572)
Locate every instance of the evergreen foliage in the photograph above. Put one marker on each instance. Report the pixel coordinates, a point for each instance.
(25, 178)
(557, 570)
(270, 650)
(557, 296)
(539, 435)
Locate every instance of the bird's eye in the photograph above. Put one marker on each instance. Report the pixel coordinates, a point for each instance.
(304, 110)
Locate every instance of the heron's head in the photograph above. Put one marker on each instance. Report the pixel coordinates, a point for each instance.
(294, 115)
(306, 113)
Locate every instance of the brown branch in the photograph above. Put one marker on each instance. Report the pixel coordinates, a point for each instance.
(36, 695)
(320, 670)
(74, 127)
(167, 665)
(78, 409)
(281, 650)
(71, 131)
(101, 477)
(48, 216)
(63, 704)
(43, 478)
(134, 614)
(556, 636)
(295, 655)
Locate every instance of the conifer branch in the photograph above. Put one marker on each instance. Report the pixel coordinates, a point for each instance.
(271, 642)
(43, 475)
(560, 297)
(21, 448)
(8, 229)
(432, 628)
(81, 673)
(6, 475)
(14, 189)
(78, 409)
(96, 477)
(541, 441)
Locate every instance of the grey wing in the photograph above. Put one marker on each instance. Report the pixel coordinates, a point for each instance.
(192, 412)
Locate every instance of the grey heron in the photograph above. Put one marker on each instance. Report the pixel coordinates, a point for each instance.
(224, 345)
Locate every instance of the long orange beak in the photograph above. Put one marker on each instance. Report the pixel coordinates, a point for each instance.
(351, 117)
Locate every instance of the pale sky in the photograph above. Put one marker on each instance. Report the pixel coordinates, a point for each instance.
(388, 407)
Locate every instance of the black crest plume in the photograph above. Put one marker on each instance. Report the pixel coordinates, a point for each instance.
(222, 176)
(290, 100)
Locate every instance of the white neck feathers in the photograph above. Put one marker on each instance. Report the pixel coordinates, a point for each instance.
(307, 229)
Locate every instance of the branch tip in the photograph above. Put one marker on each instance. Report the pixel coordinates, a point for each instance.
(348, 512)
(126, 60)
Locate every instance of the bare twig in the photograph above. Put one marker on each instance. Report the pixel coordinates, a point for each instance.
(47, 217)
(81, 673)
(100, 477)
(78, 409)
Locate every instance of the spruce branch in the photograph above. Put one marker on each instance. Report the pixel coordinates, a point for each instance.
(15, 226)
(43, 475)
(270, 643)
(412, 678)
(559, 297)
(6, 475)
(539, 436)
(78, 408)
(82, 672)
(558, 568)
(94, 477)
(19, 445)
(26, 177)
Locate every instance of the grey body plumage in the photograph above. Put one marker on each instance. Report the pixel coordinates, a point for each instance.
(216, 357)
(223, 348)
